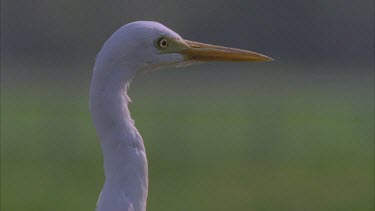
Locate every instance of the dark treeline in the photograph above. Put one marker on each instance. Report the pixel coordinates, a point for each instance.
(71, 31)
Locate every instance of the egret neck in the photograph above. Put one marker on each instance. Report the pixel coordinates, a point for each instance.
(125, 162)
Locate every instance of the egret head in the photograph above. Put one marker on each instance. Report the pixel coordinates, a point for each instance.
(150, 45)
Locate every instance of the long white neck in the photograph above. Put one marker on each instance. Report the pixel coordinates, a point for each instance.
(125, 162)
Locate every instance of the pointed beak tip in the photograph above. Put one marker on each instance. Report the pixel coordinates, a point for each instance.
(265, 59)
(269, 59)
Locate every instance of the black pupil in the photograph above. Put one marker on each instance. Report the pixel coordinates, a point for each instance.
(163, 43)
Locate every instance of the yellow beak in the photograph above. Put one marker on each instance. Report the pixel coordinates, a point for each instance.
(205, 52)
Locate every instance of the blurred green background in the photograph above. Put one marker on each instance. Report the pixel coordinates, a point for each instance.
(294, 134)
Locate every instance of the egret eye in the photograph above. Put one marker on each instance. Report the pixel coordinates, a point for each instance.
(163, 42)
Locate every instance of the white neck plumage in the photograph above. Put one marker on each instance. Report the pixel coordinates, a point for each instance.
(125, 161)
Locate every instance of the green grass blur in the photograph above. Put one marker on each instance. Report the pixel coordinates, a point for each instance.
(216, 139)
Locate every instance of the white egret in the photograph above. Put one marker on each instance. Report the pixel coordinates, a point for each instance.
(137, 46)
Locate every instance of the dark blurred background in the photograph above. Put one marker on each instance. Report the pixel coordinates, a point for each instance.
(294, 134)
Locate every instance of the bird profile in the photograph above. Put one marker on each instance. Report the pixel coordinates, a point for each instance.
(137, 46)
